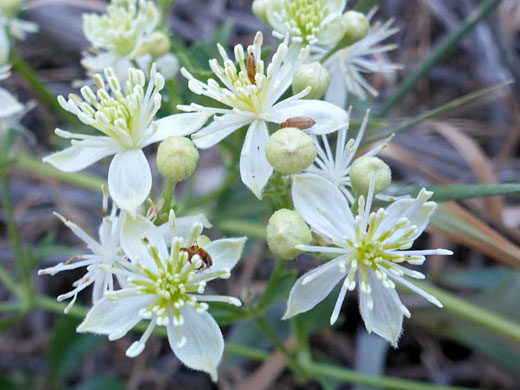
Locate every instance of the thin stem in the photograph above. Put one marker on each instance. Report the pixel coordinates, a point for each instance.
(474, 313)
(247, 352)
(10, 283)
(351, 376)
(169, 201)
(439, 54)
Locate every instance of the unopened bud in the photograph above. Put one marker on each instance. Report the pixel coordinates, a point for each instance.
(290, 150)
(10, 8)
(203, 240)
(366, 167)
(157, 45)
(177, 158)
(285, 230)
(313, 75)
(260, 9)
(355, 26)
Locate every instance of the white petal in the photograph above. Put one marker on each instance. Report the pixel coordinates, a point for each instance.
(322, 206)
(255, 170)
(132, 233)
(219, 129)
(386, 317)
(9, 106)
(168, 65)
(4, 45)
(225, 253)
(178, 125)
(204, 342)
(115, 316)
(337, 91)
(99, 62)
(328, 117)
(183, 226)
(304, 297)
(83, 154)
(129, 180)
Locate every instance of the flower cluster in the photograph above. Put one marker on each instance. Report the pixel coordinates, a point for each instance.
(129, 31)
(146, 268)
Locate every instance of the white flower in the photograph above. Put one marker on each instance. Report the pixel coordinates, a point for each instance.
(335, 165)
(251, 93)
(348, 65)
(105, 252)
(369, 249)
(10, 108)
(125, 117)
(121, 36)
(307, 22)
(166, 288)
(16, 28)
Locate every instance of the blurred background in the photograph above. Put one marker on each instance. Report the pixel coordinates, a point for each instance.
(477, 142)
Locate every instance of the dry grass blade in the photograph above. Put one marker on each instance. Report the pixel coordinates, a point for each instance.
(456, 223)
(477, 160)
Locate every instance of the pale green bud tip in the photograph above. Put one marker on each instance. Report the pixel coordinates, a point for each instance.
(260, 9)
(366, 167)
(203, 240)
(313, 75)
(10, 8)
(355, 26)
(177, 158)
(290, 150)
(285, 230)
(157, 45)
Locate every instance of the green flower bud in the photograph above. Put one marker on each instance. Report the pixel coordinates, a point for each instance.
(363, 169)
(260, 9)
(356, 27)
(313, 75)
(10, 8)
(157, 45)
(290, 150)
(177, 158)
(285, 230)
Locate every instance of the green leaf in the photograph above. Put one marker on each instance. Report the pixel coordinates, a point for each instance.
(460, 192)
(101, 382)
(67, 349)
(440, 52)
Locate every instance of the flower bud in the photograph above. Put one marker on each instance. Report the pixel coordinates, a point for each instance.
(10, 8)
(285, 230)
(203, 240)
(177, 158)
(157, 45)
(356, 27)
(260, 9)
(313, 75)
(363, 169)
(290, 150)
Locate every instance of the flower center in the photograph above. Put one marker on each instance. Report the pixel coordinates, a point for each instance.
(304, 19)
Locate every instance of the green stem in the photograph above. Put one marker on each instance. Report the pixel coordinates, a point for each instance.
(41, 90)
(270, 289)
(351, 376)
(20, 256)
(41, 169)
(247, 352)
(474, 313)
(439, 54)
(169, 201)
(10, 283)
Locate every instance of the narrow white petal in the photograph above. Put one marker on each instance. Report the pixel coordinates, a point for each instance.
(99, 62)
(115, 316)
(337, 91)
(328, 117)
(225, 253)
(255, 170)
(129, 180)
(219, 129)
(183, 226)
(204, 342)
(386, 317)
(178, 125)
(83, 154)
(304, 297)
(9, 106)
(132, 233)
(322, 206)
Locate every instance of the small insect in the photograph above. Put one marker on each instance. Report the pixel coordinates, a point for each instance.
(300, 122)
(204, 256)
(251, 68)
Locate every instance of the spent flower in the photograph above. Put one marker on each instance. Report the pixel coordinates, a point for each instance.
(369, 248)
(251, 93)
(126, 118)
(167, 288)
